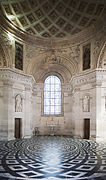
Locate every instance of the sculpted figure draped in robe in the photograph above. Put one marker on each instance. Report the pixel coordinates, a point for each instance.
(86, 104)
(18, 103)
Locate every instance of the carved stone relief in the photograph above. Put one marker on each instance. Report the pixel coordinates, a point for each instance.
(2, 58)
(98, 43)
(74, 53)
(5, 50)
(102, 58)
(33, 51)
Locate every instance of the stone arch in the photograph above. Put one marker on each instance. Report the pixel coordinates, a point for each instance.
(53, 73)
(43, 64)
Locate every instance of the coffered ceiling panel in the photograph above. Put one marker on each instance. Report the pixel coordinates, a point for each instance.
(53, 18)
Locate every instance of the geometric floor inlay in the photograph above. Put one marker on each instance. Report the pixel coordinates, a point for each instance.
(52, 157)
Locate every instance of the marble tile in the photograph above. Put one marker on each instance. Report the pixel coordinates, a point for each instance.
(52, 157)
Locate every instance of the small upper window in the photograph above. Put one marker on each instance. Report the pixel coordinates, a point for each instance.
(52, 95)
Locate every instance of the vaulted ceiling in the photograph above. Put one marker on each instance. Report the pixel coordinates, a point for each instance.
(53, 18)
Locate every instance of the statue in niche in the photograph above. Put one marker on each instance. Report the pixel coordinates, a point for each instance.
(86, 104)
(86, 56)
(18, 103)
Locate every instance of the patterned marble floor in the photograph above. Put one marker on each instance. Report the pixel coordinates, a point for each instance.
(52, 157)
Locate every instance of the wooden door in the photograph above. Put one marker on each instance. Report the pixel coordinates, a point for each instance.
(86, 128)
(17, 127)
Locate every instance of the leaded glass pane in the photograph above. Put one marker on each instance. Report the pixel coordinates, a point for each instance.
(57, 109)
(46, 109)
(52, 109)
(52, 80)
(52, 101)
(47, 87)
(47, 102)
(52, 88)
(57, 87)
(57, 101)
(57, 80)
(52, 95)
(48, 80)
(47, 94)
(57, 95)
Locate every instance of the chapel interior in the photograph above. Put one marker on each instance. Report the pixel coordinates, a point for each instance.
(52, 69)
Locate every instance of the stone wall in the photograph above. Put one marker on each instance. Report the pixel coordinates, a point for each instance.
(13, 84)
(83, 92)
(84, 97)
(90, 87)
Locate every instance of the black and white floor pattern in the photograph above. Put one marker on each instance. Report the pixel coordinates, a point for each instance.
(52, 157)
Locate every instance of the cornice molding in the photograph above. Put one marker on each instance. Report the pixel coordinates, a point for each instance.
(15, 75)
(95, 77)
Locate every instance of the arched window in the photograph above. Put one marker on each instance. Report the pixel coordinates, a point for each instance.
(52, 95)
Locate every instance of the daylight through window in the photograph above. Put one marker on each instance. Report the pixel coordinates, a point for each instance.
(52, 95)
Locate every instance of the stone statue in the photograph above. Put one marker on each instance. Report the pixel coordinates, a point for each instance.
(18, 103)
(86, 104)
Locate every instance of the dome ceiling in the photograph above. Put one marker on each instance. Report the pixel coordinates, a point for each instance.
(53, 18)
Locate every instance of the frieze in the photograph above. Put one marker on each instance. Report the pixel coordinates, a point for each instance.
(95, 76)
(9, 74)
(38, 87)
(97, 84)
(8, 83)
(66, 88)
(28, 87)
(77, 89)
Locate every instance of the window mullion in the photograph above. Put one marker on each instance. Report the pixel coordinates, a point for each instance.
(52, 95)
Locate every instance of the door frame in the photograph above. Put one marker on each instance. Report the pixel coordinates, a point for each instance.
(18, 128)
(86, 128)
